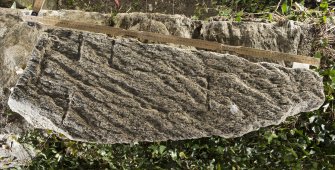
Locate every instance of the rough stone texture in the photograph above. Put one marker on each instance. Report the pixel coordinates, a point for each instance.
(16, 43)
(177, 25)
(91, 87)
(17, 40)
(12, 153)
(50, 4)
(13, 123)
(187, 90)
(74, 15)
(289, 37)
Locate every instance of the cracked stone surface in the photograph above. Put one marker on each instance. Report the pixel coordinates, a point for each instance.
(91, 87)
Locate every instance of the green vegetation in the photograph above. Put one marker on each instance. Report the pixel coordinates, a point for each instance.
(302, 142)
(266, 9)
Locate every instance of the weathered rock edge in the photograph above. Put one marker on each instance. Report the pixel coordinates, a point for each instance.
(91, 87)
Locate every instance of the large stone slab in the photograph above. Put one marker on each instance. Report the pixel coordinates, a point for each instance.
(91, 87)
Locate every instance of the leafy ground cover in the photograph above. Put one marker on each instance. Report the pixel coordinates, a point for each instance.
(306, 141)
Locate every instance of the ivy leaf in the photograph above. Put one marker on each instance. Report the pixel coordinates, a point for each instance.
(182, 155)
(292, 152)
(173, 155)
(324, 5)
(270, 137)
(284, 8)
(162, 149)
(240, 13)
(318, 54)
(58, 156)
(239, 16)
(238, 19)
(220, 150)
(324, 19)
(270, 17)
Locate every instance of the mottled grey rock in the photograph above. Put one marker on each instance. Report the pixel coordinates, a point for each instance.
(17, 41)
(289, 36)
(14, 154)
(177, 25)
(50, 4)
(91, 87)
(74, 15)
